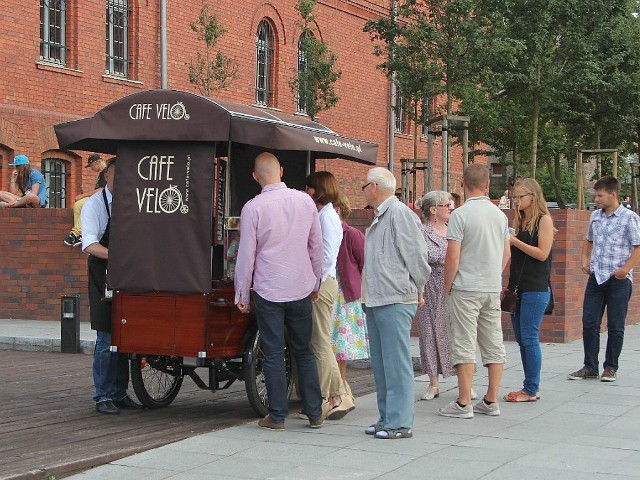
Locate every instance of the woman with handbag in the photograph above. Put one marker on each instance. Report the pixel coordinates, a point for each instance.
(529, 277)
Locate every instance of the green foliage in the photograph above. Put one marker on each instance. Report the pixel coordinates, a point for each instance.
(569, 75)
(211, 71)
(314, 84)
(434, 47)
(539, 78)
(567, 180)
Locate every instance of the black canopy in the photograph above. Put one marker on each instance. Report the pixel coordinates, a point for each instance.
(172, 115)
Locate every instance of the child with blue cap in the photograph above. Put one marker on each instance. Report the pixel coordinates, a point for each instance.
(27, 186)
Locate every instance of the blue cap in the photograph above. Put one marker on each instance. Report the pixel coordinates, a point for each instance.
(19, 160)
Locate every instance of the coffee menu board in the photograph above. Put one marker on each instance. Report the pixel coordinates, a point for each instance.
(220, 199)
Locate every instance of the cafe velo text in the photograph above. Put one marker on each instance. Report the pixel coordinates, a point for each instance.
(158, 167)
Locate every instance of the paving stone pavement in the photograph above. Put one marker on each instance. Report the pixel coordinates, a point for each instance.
(578, 429)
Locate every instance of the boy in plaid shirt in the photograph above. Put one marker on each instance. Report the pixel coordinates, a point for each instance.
(609, 253)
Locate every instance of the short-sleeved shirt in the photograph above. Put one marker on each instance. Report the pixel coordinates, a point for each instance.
(36, 177)
(94, 217)
(482, 230)
(613, 237)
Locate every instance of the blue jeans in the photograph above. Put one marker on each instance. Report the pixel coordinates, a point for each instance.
(110, 370)
(389, 328)
(526, 322)
(272, 318)
(613, 294)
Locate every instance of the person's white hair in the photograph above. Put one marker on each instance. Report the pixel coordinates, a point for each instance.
(432, 199)
(385, 180)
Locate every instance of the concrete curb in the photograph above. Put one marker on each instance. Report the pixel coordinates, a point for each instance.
(40, 344)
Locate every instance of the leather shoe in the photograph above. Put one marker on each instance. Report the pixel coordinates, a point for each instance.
(268, 423)
(107, 406)
(128, 402)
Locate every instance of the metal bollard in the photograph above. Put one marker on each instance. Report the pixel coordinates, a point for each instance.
(70, 324)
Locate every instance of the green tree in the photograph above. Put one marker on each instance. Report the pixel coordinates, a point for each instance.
(213, 70)
(314, 82)
(436, 47)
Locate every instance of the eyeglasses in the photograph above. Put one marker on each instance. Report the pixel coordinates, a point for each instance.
(448, 205)
(520, 197)
(366, 185)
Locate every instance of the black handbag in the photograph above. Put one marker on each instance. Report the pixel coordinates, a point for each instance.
(550, 305)
(508, 301)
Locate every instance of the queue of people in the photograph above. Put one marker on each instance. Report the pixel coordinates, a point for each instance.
(341, 295)
(446, 272)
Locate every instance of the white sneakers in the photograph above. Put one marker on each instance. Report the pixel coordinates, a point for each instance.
(454, 410)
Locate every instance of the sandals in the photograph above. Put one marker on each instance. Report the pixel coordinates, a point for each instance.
(393, 433)
(431, 393)
(520, 396)
(339, 411)
(373, 429)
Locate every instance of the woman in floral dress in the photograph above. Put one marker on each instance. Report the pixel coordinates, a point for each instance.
(432, 316)
(349, 332)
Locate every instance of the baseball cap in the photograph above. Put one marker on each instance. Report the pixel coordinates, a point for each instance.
(94, 157)
(19, 160)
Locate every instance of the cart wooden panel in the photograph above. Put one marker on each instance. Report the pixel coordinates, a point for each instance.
(159, 323)
(227, 328)
(180, 325)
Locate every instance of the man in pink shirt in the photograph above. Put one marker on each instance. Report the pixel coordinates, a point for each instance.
(280, 255)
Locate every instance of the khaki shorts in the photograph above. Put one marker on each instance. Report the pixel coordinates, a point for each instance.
(475, 317)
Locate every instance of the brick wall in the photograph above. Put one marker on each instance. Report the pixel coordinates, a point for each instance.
(43, 94)
(37, 268)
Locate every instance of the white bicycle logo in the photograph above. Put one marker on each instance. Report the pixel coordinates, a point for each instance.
(170, 199)
(178, 111)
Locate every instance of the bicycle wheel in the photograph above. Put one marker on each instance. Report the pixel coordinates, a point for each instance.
(156, 379)
(254, 380)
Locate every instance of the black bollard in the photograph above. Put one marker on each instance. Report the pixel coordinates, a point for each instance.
(70, 324)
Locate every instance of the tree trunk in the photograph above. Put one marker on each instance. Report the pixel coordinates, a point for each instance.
(535, 119)
(554, 174)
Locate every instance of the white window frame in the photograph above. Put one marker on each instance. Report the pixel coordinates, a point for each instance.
(53, 31)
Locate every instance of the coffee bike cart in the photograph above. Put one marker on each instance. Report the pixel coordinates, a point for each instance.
(183, 175)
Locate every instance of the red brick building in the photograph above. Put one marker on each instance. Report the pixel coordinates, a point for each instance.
(67, 59)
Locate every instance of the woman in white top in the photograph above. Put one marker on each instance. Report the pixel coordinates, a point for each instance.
(323, 188)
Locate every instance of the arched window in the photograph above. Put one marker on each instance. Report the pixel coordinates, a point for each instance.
(301, 106)
(55, 175)
(264, 64)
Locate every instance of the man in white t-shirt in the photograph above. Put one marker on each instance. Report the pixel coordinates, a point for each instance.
(477, 253)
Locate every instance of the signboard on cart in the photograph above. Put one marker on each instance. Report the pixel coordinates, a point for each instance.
(160, 235)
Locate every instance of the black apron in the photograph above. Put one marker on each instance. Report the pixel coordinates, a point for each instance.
(99, 311)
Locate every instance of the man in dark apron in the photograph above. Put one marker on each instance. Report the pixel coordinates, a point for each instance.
(110, 369)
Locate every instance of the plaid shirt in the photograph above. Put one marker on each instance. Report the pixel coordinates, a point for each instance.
(613, 238)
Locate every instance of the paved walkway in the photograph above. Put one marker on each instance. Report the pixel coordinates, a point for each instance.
(578, 429)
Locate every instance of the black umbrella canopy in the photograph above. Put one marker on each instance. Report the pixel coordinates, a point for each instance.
(173, 115)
